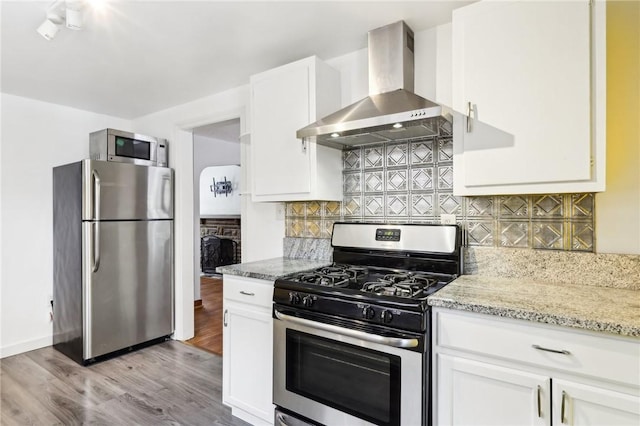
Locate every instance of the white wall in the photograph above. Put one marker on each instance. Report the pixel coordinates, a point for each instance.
(227, 204)
(213, 152)
(208, 152)
(36, 136)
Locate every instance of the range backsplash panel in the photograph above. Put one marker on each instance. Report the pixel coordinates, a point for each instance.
(412, 182)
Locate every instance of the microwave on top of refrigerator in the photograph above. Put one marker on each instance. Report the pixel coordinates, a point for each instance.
(126, 147)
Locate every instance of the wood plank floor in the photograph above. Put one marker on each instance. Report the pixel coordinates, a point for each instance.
(208, 318)
(166, 384)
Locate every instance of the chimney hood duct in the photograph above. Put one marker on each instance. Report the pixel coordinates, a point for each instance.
(391, 111)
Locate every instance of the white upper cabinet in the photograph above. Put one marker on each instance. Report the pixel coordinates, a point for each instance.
(528, 92)
(284, 100)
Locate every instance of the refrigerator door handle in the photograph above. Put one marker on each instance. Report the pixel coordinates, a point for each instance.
(164, 197)
(95, 246)
(96, 194)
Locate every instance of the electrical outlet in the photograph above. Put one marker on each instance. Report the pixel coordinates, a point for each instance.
(50, 309)
(448, 219)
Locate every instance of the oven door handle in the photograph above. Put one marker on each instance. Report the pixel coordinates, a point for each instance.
(383, 340)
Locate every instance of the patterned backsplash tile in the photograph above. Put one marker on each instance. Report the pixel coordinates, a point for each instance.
(412, 182)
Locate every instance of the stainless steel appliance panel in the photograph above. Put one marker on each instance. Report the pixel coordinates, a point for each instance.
(67, 260)
(411, 380)
(421, 238)
(128, 289)
(120, 191)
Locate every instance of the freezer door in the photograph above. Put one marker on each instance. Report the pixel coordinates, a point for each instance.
(127, 285)
(120, 191)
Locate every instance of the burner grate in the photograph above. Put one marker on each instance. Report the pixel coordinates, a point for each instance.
(326, 278)
(401, 285)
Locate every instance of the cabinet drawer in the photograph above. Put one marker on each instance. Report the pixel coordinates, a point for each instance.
(609, 357)
(248, 290)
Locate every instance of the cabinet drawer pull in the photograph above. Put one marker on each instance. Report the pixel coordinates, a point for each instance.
(469, 110)
(555, 351)
(539, 403)
(562, 406)
(246, 293)
(224, 317)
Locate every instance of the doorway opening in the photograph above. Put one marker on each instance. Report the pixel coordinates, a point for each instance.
(217, 174)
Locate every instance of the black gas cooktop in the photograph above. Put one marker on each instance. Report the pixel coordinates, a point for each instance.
(369, 281)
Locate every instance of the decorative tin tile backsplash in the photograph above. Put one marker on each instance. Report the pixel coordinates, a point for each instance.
(412, 182)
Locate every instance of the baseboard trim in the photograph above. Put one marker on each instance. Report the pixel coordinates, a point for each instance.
(197, 304)
(25, 346)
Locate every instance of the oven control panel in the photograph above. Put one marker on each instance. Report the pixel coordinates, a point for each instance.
(385, 234)
(370, 312)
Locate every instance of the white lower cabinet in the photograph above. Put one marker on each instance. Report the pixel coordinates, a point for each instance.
(471, 392)
(584, 405)
(497, 371)
(247, 345)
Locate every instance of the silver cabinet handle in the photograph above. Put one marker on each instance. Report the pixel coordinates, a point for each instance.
(562, 406)
(555, 351)
(539, 402)
(224, 317)
(246, 293)
(383, 340)
(469, 110)
(95, 227)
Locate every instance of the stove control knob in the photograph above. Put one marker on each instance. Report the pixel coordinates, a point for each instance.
(294, 298)
(307, 301)
(368, 312)
(386, 317)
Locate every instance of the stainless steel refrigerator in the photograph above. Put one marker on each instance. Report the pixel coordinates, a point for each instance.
(112, 257)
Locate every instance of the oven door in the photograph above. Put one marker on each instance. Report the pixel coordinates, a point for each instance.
(342, 376)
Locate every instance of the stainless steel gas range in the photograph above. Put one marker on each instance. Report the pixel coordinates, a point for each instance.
(351, 340)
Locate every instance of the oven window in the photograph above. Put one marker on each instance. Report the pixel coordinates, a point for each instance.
(132, 148)
(358, 381)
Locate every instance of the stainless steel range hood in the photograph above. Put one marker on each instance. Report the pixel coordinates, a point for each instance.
(391, 111)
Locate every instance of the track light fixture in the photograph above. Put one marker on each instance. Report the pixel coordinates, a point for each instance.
(69, 11)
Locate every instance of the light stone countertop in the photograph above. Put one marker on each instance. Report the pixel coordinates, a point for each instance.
(603, 309)
(271, 269)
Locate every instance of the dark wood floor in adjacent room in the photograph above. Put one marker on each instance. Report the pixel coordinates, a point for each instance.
(208, 318)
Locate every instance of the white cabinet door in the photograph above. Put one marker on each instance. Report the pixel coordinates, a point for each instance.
(525, 69)
(477, 393)
(247, 343)
(284, 100)
(280, 106)
(247, 361)
(584, 405)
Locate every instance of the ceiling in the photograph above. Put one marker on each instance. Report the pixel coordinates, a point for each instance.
(137, 57)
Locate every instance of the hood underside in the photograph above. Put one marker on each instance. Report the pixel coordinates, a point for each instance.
(384, 117)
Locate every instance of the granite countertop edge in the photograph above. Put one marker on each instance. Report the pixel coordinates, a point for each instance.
(480, 303)
(539, 316)
(271, 269)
